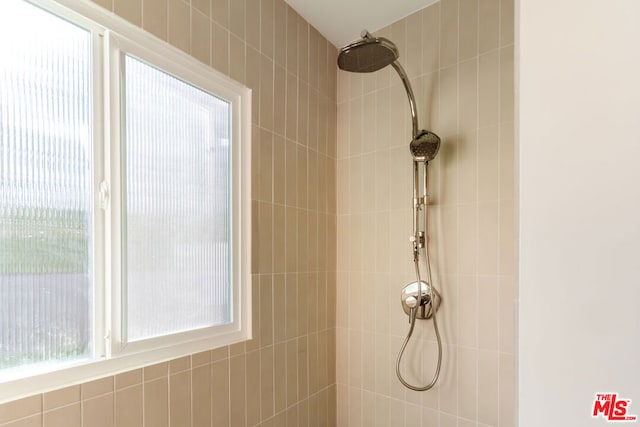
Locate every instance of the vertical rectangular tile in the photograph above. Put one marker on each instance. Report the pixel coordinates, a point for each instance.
(266, 92)
(488, 164)
(154, 17)
(131, 10)
(179, 18)
(448, 102)
(448, 32)
(266, 383)
(179, 399)
(280, 376)
(292, 372)
(488, 227)
(292, 107)
(279, 239)
(266, 310)
(413, 59)
(468, 167)
(468, 37)
(507, 18)
(506, 296)
(237, 11)
(467, 383)
(302, 294)
(201, 37)
(488, 313)
(302, 368)
(468, 241)
(237, 375)
(449, 383)
(303, 49)
(279, 101)
(253, 387)
(252, 23)
(488, 387)
(254, 343)
(221, 12)
(489, 25)
(431, 38)
(303, 113)
(218, 404)
(507, 96)
(265, 236)
(312, 340)
(488, 88)
(219, 48)
(99, 411)
(129, 406)
(280, 33)
(267, 22)
(507, 390)
(507, 240)
(292, 41)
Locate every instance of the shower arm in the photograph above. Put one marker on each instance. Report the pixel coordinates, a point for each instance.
(412, 101)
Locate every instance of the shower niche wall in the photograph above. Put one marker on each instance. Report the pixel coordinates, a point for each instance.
(458, 55)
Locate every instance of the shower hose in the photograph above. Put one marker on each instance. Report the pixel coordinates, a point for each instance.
(414, 310)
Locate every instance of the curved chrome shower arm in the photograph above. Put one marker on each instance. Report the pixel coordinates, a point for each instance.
(412, 101)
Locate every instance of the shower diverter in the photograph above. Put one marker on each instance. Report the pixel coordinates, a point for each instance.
(409, 299)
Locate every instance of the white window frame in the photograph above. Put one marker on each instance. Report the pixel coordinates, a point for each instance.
(112, 37)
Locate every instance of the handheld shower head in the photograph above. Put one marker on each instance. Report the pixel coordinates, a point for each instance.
(424, 146)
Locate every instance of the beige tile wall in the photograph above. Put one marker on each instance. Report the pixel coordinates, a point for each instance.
(285, 376)
(459, 56)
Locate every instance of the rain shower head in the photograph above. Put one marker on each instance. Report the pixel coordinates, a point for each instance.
(424, 146)
(368, 54)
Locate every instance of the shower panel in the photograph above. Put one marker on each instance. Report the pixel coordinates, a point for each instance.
(420, 299)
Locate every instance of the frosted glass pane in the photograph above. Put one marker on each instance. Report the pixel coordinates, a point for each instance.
(45, 187)
(177, 204)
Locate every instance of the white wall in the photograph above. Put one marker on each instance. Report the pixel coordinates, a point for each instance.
(579, 190)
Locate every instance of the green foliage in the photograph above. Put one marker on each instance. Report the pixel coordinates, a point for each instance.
(41, 241)
(63, 352)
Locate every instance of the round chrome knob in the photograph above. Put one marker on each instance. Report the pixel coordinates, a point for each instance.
(411, 302)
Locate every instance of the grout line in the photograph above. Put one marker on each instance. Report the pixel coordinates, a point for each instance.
(477, 204)
(499, 231)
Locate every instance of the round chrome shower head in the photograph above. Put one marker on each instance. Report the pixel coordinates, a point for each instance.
(367, 55)
(424, 146)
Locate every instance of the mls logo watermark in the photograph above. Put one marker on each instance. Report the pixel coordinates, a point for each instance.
(612, 408)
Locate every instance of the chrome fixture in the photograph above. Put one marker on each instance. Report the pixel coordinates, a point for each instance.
(409, 299)
(371, 54)
(420, 299)
(424, 146)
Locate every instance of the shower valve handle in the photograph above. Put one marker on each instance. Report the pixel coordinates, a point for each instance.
(411, 301)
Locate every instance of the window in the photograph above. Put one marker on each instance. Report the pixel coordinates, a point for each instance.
(176, 140)
(45, 188)
(124, 200)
